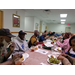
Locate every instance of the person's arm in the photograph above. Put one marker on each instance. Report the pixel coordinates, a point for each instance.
(42, 38)
(12, 46)
(71, 59)
(64, 44)
(33, 41)
(12, 61)
(7, 63)
(65, 61)
(47, 37)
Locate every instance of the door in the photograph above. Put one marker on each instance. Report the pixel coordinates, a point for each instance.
(68, 29)
(1, 19)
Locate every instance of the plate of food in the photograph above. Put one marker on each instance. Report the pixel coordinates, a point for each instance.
(34, 47)
(51, 56)
(58, 49)
(24, 56)
(53, 61)
(21, 59)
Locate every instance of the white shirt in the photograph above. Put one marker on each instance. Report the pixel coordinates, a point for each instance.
(71, 51)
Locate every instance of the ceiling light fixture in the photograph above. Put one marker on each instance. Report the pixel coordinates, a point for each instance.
(63, 19)
(63, 15)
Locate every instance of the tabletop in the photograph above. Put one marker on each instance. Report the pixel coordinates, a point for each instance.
(36, 58)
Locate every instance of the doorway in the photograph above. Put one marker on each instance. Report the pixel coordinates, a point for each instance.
(68, 29)
(1, 19)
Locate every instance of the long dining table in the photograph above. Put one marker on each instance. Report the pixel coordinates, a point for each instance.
(37, 58)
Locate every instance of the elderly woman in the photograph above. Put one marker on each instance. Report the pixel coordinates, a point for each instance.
(65, 45)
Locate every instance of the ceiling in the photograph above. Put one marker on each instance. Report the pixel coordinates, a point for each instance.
(53, 16)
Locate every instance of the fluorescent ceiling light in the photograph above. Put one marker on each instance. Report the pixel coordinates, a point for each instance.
(63, 15)
(63, 20)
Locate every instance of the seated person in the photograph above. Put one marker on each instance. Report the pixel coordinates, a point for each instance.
(71, 50)
(53, 34)
(33, 39)
(66, 59)
(46, 32)
(49, 34)
(21, 45)
(42, 38)
(65, 45)
(5, 35)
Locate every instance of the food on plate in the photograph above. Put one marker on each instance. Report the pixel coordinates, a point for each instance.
(54, 60)
(52, 56)
(44, 41)
(36, 47)
(21, 59)
(58, 49)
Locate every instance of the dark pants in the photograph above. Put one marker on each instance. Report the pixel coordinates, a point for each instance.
(72, 55)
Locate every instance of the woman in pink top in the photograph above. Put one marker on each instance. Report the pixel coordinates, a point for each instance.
(65, 45)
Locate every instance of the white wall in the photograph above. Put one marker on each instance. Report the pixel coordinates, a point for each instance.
(30, 25)
(8, 19)
(43, 24)
(59, 27)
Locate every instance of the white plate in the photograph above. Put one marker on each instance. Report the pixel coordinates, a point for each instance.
(52, 55)
(52, 63)
(25, 55)
(58, 48)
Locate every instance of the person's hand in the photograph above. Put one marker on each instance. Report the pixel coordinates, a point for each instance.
(12, 46)
(17, 56)
(65, 55)
(60, 57)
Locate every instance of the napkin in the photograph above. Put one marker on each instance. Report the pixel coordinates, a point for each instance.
(48, 44)
(43, 63)
(41, 51)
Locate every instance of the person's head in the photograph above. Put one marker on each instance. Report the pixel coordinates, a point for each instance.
(50, 32)
(6, 34)
(53, 33)
(72, 41)
(45, 31)
(66, 36)
(63, 34)
(44, 34)
(21, 34)
(36, 33)
(72, 34)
